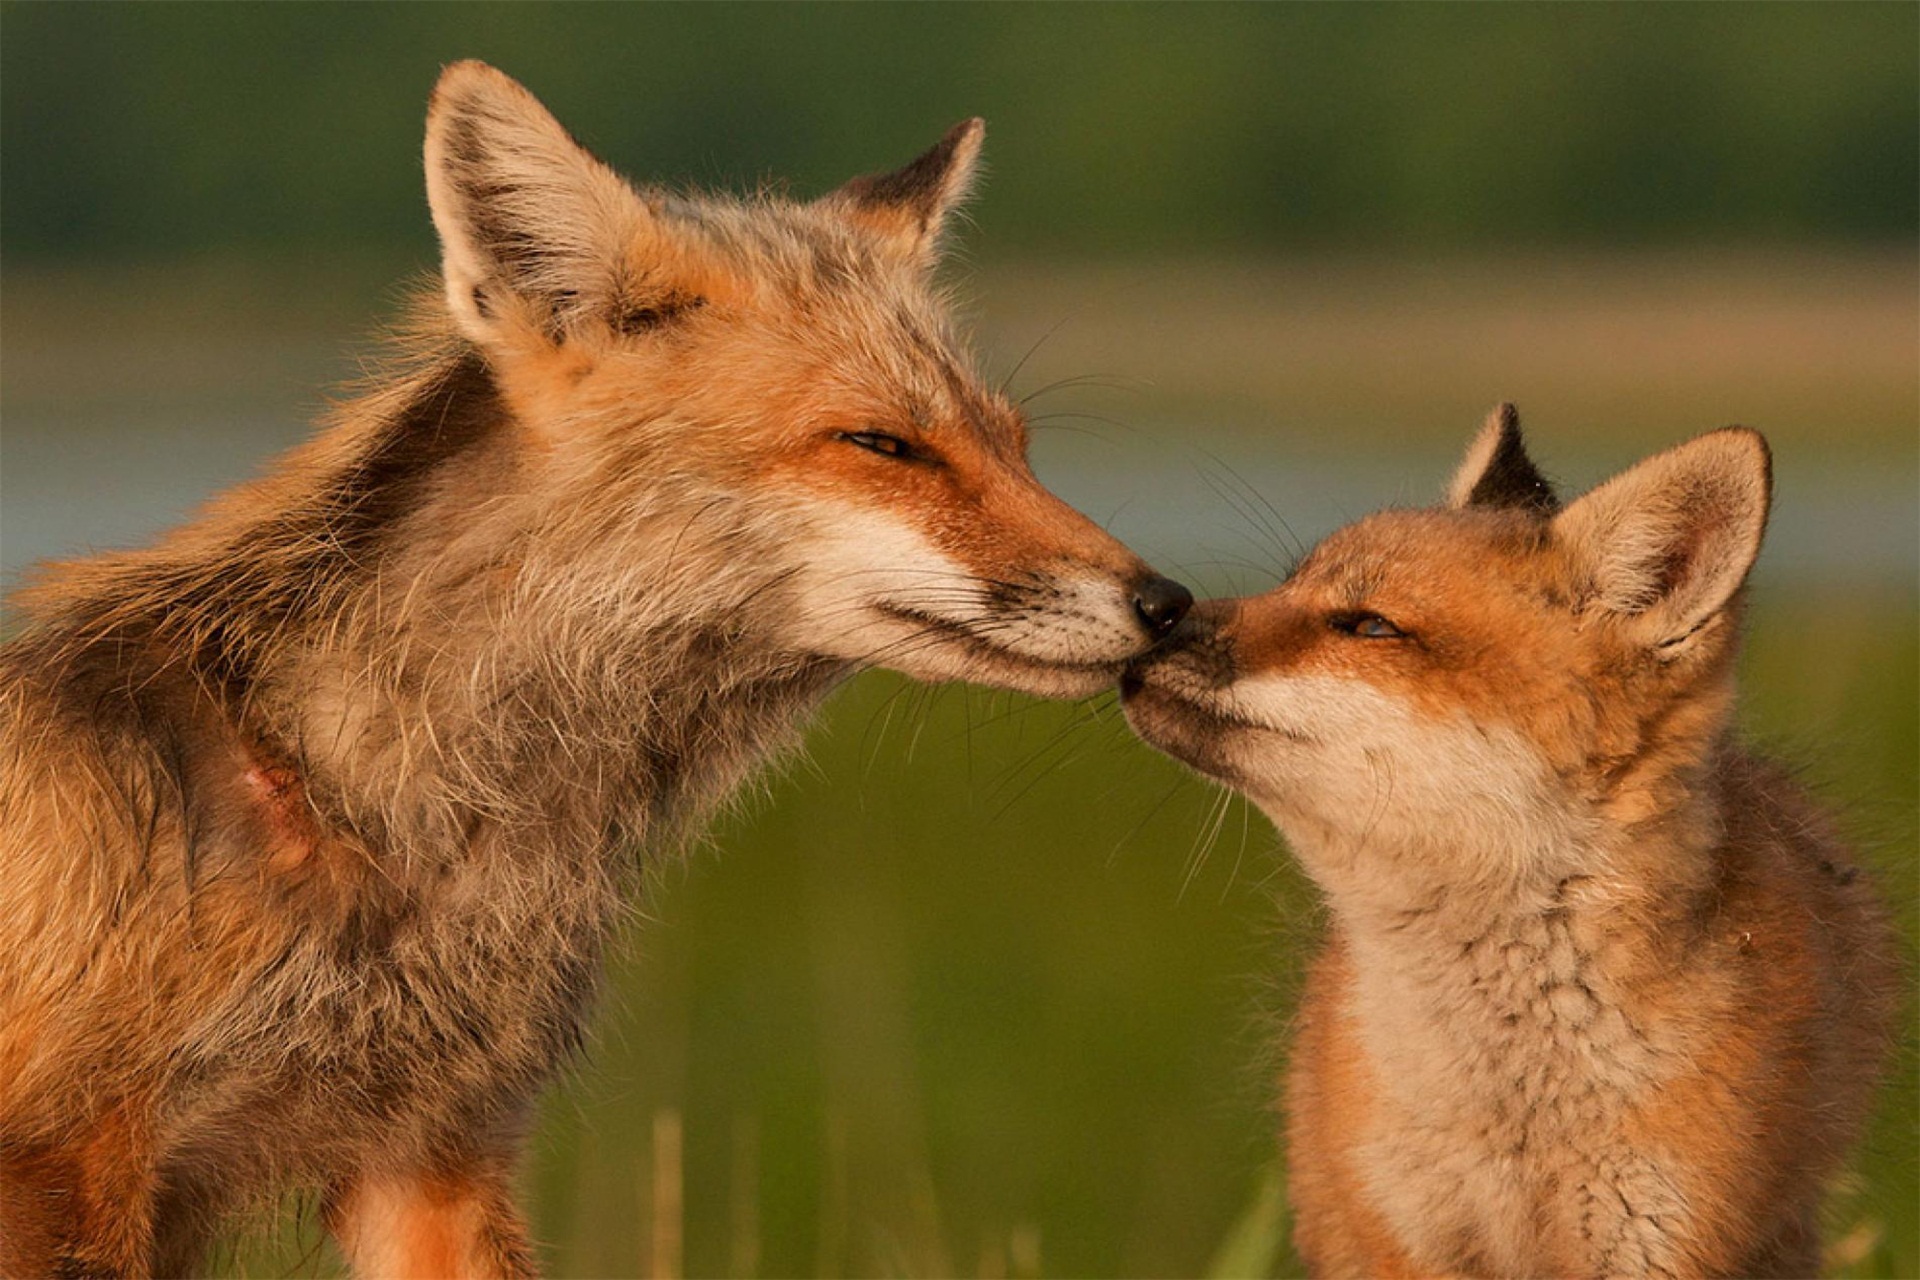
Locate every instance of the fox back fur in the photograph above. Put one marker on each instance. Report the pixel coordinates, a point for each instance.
(1603, 993)
(316, 818)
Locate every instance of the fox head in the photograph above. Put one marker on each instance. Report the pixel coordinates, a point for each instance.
(766, 395)
(1484, 690)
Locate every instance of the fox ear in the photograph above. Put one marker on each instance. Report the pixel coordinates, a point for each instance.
(1497, 471)
(908, 207)
(532, 228)
(1669, 541)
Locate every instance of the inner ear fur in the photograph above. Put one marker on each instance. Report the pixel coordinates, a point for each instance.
(1670, 541)
(1496, 471)
(532, 227)
(908, 208)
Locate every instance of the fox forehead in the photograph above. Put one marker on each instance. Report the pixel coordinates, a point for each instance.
(837, 334)
(1425, 552)
(1433, 574)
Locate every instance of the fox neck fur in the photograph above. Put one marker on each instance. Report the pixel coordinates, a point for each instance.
(416, 693)
(1523, 1048)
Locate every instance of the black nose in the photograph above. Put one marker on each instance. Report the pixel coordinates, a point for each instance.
(1161, 603)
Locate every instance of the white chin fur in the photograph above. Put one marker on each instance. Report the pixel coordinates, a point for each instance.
(875, 591)
(1348, 765)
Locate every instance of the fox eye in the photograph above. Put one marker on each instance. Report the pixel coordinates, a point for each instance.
(879, 442)
(1368, 626)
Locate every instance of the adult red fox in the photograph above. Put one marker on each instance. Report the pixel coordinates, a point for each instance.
(1603, 995)
(316, 818)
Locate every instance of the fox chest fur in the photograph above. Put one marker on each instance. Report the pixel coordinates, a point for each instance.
(1507, 1078)
(434, 1000)
(311, 975)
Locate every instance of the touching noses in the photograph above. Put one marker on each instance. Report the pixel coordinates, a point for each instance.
(1161, 603)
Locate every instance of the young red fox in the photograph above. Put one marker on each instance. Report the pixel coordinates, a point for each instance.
(1603, 994)
(315, 819)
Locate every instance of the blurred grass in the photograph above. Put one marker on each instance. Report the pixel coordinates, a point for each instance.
(130, 131)
(975, 988)
(1030, 1015)
(958, 994)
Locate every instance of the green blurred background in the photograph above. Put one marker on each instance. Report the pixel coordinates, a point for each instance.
(981, 986)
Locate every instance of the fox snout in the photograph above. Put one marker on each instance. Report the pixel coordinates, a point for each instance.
(1160, 603)
(1198, 642)
(1177, 694)
(976, 573)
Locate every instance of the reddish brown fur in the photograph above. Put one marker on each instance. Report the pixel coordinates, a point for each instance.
(1603, 993)
(1333, 1227)
(1792, 1039)
(452, 1226)
(317, 818)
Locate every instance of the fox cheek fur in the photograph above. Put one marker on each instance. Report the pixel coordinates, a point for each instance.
(317, 817)
(798, 360)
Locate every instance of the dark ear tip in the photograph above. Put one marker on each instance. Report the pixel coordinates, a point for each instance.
(1504, 418)
(1510, 478)
(919, 192)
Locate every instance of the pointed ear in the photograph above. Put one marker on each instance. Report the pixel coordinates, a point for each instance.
(1497, 471)
(532, 228)
(908, 207)
(1671, 540)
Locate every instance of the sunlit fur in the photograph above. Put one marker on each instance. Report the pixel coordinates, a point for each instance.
(316, 818)
(1602, 993)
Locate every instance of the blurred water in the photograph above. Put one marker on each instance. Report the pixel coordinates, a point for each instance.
(1227, 504)
(1217, 505)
